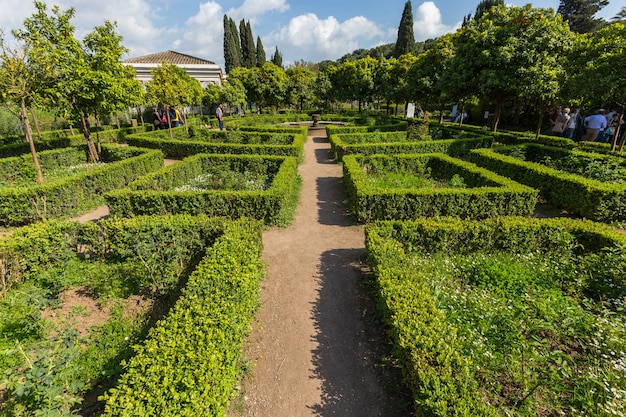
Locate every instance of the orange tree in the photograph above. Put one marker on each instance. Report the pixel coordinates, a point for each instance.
(511, 53)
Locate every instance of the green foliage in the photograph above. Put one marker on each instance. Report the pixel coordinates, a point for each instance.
(68, 195)
(579, 14)
(283, 144)
(410, 186)
(510, 52)
(405, 44)
(204, 332)
(260, 53)
(50, 373)
(490, 317)
(596, 55)
(578, 194)
(343, 145)
(232, 47)
(261, 187)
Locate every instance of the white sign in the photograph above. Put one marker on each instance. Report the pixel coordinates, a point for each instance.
(410, 110)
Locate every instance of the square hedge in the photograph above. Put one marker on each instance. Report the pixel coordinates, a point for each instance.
(485, 195)
(588, 184)
(73, 193)
(167, 192)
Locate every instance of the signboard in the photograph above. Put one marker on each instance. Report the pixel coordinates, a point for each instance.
(410, 110)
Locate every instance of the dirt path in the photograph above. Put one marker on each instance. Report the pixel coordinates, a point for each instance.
(317, 349)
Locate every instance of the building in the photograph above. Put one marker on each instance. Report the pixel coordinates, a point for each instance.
(206, 72)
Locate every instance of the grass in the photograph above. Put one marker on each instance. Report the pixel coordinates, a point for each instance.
(546, 334)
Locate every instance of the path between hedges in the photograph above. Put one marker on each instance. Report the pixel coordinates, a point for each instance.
(317, 349)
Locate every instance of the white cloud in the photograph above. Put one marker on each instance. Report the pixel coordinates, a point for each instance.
(252, 9)
(428, 23)
(203, 34)
(14, 12)
(306, 36)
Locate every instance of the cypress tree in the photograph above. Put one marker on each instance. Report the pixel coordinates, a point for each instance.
(277, 58)
(252, 50)
(248, 52)
(232, 51)
(406, 39)
(260, 53)
(234, 39)
(579, 14)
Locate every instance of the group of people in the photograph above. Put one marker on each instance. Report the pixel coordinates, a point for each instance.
(165, 118)
(601, 126)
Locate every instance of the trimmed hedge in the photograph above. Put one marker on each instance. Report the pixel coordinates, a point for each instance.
(63, 139)
(487, 195)
(154, 194)
(592, 199)
(63, 197)
(281, 144)
(191, 361)
(391, 143)
(439, 374)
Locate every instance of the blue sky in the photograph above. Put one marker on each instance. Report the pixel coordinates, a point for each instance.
(309, 30)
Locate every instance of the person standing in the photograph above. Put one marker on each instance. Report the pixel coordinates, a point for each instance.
(574, 122)
(219, 112)
(561, 123)
(156, 118)
(594, 124)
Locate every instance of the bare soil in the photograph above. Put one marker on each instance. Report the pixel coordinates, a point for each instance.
(318, 348)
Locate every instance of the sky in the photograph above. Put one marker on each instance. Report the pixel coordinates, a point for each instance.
(301, 30)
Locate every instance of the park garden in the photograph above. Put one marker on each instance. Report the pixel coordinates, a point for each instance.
(489, 309)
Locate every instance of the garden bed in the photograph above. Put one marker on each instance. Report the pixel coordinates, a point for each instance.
(73, 193)
(585, 184)
(222, 142)
(183, 271)
(260, 187)
(505, 317)
(426, 185)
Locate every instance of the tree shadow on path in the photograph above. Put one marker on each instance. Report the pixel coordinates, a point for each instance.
(349, 358)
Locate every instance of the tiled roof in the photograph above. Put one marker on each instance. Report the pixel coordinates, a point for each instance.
(169, 57)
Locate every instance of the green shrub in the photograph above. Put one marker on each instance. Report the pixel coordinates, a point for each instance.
(492, 317)
(426, 185)
(80, 191)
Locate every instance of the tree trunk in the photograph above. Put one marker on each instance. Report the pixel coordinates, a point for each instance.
(32, 113)
(31, 143)
(539, 125)
(618, 128)
(93, 154)
(442, 105)
(140, 113)
(496, 117)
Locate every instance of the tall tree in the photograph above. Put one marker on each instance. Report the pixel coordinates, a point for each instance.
(260, 53)
(579, 14)
(248, 51)
(19, 80)
(252, 57)
(405, 43)
(232, 50)
(277, 58)
(301, 86)
(511, 52)
(106, 84)
(237, 45)
(597, 56)
(484, 6)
